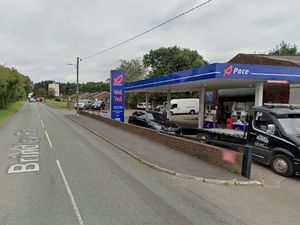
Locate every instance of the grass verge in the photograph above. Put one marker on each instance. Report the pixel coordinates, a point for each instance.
(8, 110)
(56, 104)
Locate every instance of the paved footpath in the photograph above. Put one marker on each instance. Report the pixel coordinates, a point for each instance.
(53, 171)
(156, 153)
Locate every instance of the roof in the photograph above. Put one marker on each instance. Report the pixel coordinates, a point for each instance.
(99, 93)
(278, 110)
(215, 76)
(262, 59)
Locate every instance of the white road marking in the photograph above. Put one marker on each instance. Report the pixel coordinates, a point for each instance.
(42, 123)
(37, 111)
(76, 210)
(49, 139)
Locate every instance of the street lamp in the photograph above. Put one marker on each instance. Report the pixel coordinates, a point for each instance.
(77, 84)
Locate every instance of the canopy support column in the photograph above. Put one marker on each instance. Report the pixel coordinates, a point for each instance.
(168, 103)
(259, 91)
(147, 100)
(201, 107)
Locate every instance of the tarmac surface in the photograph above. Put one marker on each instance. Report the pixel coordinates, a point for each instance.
(54, 171)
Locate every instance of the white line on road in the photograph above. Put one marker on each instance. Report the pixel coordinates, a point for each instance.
(76, 210)
(37, 111)
(49, 139)
(42, 123)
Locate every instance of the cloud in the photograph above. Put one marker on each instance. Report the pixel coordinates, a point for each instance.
(40, 37)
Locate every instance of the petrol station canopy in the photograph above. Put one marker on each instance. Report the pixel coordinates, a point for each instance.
(217, 76)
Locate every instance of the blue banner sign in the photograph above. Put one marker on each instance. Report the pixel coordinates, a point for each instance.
(117, 95)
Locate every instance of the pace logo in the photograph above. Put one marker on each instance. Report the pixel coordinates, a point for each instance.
(228, 70)
(231, 70)
(118, 80)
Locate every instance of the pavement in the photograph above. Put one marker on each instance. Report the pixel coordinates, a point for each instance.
(161, 157)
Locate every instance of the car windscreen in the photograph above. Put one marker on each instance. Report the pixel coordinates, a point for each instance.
(155, 116)
(291, 125)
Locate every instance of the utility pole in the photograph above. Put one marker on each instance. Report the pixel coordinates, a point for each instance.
(77, 86)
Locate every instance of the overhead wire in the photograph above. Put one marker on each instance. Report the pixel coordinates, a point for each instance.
(145, 32)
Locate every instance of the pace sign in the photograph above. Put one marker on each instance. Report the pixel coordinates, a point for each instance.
(117, 95)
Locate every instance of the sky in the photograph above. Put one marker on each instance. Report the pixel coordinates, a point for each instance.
(41, 37)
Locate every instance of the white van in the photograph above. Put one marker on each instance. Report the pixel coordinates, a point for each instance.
(142, 105)
(184, 105)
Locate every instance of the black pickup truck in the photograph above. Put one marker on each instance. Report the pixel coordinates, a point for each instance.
(273, 135)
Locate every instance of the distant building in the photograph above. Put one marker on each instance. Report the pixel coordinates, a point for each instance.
(54, 88)
(96, 96)
(101, 96)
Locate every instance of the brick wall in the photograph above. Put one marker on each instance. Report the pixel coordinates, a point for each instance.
(221, 157)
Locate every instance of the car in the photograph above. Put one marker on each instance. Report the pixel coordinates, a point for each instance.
(31, 100)
(98, 105)
(83, 104)
(154, 120)
(142, 105)
(39, 99)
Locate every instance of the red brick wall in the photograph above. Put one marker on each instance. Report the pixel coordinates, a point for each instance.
(221, 157)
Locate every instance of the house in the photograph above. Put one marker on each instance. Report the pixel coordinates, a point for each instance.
(100, 96)
(96, 96)
(54, 88)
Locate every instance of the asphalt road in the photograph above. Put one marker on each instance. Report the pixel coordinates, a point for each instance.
(53, 171)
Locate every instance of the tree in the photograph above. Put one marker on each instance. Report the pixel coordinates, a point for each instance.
(134, 70)
(14, 86)
(41, 92)
(172, 59)
(285, 49)
(168, 60)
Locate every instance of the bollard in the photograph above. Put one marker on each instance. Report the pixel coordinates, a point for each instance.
(247, 161)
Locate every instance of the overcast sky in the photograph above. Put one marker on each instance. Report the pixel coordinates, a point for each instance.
(40, 37)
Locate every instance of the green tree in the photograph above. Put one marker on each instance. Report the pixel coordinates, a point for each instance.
(172, 59)
(41, 92)
(168, 60)
(134, 70)
(285, 49)
(14, 86)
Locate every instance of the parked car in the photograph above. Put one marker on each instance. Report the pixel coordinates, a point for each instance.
(39, 99)
(142, 105)
(83, 104)
(98, 105)
(160, 108)
(153, 120)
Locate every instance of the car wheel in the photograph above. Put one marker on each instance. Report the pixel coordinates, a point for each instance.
(282, 165)
(171, 113)
(192, 112)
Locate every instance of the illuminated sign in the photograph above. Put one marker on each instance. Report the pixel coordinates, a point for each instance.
(117, 96)
(277, 82)
(231, 70)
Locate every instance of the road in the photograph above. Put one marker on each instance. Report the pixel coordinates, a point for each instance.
(70, 176)
(53, 171)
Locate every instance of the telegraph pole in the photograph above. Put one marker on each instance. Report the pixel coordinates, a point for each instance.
(77, 86)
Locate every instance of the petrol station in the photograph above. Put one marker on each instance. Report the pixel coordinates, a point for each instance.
(216, 76)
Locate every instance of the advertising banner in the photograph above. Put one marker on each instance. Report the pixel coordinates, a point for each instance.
(117, 95)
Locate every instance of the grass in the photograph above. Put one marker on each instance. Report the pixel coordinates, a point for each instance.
(56, 104)
(8, 110)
